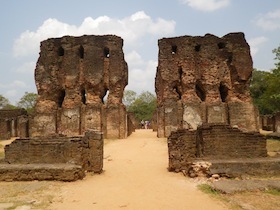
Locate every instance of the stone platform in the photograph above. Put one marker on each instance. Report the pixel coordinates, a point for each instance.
(29, 172)
(260, 167)
(57, 158)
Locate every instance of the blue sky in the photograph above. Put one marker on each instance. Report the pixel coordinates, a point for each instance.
(140, 23)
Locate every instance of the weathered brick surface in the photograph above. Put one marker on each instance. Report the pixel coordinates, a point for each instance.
(73, 75)
(212, 142)
(53, 157)
(204, 80)
(29, 172)
(13, 122)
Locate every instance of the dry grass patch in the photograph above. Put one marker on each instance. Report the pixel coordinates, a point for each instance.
(273, 147)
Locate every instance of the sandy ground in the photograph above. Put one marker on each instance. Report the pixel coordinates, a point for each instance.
(135, 177)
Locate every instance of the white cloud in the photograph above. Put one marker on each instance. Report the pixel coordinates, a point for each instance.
(131, 29)
(14, 84)
(255, 44)
(134, 59)
(142, 79)
(206, 5)
(269, 21)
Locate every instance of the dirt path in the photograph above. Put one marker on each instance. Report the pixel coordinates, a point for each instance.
(135, 177)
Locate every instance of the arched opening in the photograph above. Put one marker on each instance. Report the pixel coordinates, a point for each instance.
(84, 96)
(223, 92)
(61, 97)
(81, 52)
(60, 51)
(200, 91)
(177, 90)
(180, 71)
(106, 52)
(105, 96)
(197, 48)
(221, 45)
(174, 49)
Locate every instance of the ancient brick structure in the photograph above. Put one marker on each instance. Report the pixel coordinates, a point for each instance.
(13, 122)
(73, 76)
(53, 158)
(223, 149)
(204, 80)
(270, 122)
(213, 141)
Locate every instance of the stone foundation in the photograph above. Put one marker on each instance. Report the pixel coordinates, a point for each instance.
(220, 144)
(53, 157)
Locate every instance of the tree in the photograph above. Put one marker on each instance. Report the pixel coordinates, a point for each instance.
(276, 51)
(28, 101)
(265, 88)
(129, 97)
(5, 103)
(143, 106)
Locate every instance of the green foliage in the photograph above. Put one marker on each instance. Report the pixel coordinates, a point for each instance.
(5, 103)
(129, 97)
(143, 106)
(28, 101)
(265, 88)
(275, 192)
(207, 189)
(277, 56)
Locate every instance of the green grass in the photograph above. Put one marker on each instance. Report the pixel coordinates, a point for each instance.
(206, 188)
(273, 192)
(273, 147)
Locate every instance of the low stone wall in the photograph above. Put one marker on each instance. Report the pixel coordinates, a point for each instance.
(212, 142)
(53, 154)
(29, 172)
(265, 167)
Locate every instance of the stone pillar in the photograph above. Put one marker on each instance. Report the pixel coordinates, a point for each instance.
(116, 121)
(242, 115)
(95, 155)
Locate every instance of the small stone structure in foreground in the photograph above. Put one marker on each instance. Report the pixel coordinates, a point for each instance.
(53, 158)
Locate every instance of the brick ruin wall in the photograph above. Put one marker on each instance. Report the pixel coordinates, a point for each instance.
(73, 75)
(53, 157)
(213, 142)
(270, 122)
(204, 80)
(13, 123)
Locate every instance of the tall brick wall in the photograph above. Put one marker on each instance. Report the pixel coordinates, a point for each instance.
(204, 80)
(73, 75)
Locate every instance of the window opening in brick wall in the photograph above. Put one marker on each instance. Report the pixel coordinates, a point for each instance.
(81, 52)
(223, 92)
(60, 51)
(200, 91)
(197, 48)
(84, 96)
(106, 52)
(61, 98)
(174, 49)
